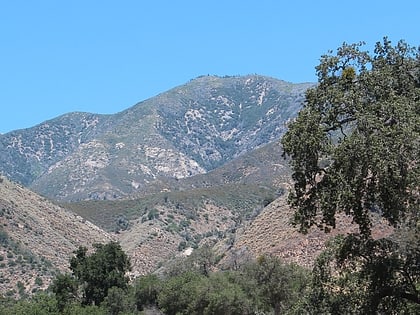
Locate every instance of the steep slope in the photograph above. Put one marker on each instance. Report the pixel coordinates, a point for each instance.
(156, 227)
(186, 131)
(37, 238)
(171, 215)
(26, 154)
(271, 232)
(262, 166)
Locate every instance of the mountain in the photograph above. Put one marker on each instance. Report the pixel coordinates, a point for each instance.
(37, 239)
(152, 228)
(199, 164)
(196, 164)
(189, 130)
(174, 215)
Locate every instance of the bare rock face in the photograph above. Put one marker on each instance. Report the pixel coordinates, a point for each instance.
(189, 130)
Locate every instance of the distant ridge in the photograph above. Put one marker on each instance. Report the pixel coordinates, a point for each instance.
(186, 131)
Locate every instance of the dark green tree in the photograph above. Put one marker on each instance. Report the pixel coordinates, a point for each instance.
(146, 290)
(273, 285)
(193, 293)
(354, 148)
(65, 287)
(179, 293)
(118, 301)
(100, 271)
(40, 303)
(224, 296)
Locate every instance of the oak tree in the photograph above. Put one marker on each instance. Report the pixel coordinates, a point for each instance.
(99, 272)
(354, 148)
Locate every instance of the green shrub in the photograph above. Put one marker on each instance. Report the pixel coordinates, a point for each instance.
(153, 214)
(38, 281)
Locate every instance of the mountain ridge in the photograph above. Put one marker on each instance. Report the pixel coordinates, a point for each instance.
(188, 130)
(198, 164)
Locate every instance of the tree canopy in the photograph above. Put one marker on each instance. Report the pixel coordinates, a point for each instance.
(100, 271)
(354, 148)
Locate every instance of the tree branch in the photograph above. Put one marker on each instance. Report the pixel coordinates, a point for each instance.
(339, 124)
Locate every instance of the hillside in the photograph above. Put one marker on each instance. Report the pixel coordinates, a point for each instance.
(189, 130)
(193, 165)
(171, 215)
(37, 239)
(272, 233)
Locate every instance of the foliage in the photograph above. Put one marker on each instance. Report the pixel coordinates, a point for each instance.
(354, 148)
(224, 296)
(202, 260)
(355, 144)
(39, 304)
(146, 289)
(194, 293)
(273, 285)
(377, 279)
(102, 270)
(267, 285)
(118, 301)
(178, 292)
(65, 287)
(257, 288)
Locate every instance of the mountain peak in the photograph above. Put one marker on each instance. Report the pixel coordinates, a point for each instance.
(188, 130)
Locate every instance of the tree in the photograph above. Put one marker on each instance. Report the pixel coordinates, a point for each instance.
(64, 286)
(118, 302)
(195, 293)
(354, 148)
(201, 260)
(180, 293)
(274, 285)
(40, 303)
(146, 290)
(102, 270)
(374, 277)
(224, 296)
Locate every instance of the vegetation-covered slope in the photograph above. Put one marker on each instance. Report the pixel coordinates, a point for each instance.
(188, 130)
(37, 238)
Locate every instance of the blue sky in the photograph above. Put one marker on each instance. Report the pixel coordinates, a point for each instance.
(104, 56)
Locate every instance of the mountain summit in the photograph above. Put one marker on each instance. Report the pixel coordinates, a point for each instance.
(188, 130)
